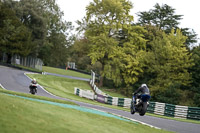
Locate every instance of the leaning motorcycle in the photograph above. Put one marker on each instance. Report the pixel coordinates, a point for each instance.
(33, 88)
(140, 105)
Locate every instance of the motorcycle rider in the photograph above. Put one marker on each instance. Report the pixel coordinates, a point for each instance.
(143, 89)
(33, 82)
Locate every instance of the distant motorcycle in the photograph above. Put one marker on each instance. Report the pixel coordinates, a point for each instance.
(33, 88)
(140, 105)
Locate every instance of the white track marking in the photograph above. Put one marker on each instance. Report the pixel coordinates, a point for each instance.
(2, 86)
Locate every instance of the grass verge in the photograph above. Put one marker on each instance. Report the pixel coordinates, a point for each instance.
(27, 68)
(35, 96)
(20, 115)
(65, 72)
(113, 93)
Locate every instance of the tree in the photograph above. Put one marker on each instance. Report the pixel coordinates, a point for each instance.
(55, 53)
(15, 38)
(104, 21)
(44, 20)
(164, 18)
(195, 70)
(168, 62)
(79, 54)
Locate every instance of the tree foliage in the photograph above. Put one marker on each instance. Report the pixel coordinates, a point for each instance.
(105, 20)
(41, 23)
(169, 61)
(79, 54)
(195, 71)
(164, 18)
(15, 38)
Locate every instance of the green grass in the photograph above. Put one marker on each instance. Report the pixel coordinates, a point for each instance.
(20, 116)
(35, 96)
(28, 68)
(113, 93)
(65, 72)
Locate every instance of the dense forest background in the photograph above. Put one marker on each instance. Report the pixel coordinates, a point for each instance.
(154, 50)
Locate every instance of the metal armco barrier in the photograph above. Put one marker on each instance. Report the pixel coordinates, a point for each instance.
(121, 102)
(176, 111)
(127, 102)
(76, 91)
(101, 98)
(159, 108)
(151, 107)
(169, 110)
(109, 100)
(193, 113)
(181, 111)
(84, 93)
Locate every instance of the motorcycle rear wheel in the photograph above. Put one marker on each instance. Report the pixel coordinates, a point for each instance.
(144, 109)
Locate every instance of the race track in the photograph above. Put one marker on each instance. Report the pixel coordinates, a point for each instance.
(16, 80)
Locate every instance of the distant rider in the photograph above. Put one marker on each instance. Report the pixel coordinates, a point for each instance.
(33, 82)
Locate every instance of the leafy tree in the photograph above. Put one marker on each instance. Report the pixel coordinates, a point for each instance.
(195, 70)
(15, 38)
(31, 13)
(40, 22)
(168, 62)
(79, 54)
(44, 19)
(104, 21)
(55, 54)
(164, 18)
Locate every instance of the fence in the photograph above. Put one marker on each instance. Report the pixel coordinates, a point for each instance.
(176, 111)
(25, 61)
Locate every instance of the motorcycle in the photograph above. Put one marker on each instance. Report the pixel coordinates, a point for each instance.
(33, 88)
(140, 105)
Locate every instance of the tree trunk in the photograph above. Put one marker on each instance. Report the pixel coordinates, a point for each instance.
(9, 57)
(101, 81)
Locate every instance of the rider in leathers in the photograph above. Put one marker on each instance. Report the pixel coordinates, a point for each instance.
(33, 82)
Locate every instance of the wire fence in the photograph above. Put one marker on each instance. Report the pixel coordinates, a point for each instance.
(24, 61)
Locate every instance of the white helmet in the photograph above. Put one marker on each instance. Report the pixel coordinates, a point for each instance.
(143, 85)
(34, 80)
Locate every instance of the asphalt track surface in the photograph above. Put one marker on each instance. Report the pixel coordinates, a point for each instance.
(16, 80)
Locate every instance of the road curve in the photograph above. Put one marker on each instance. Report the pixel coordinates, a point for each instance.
(16, 80)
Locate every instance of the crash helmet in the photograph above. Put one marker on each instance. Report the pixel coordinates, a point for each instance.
(34, 80)
(143, 85)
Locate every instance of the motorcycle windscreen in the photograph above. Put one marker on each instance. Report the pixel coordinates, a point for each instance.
(145, 97)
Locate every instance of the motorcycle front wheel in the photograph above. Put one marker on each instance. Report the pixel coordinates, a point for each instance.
(132, 108)
(33, 91)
